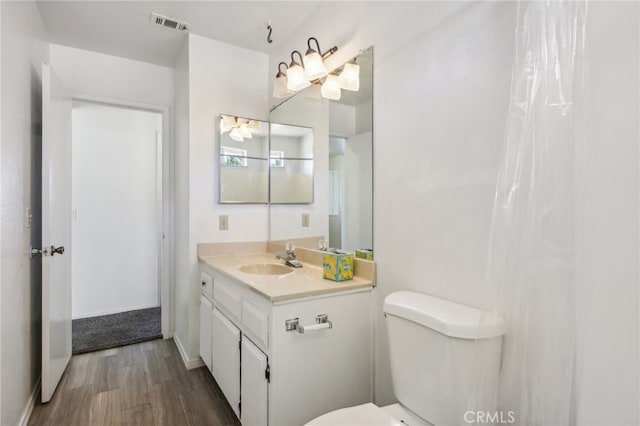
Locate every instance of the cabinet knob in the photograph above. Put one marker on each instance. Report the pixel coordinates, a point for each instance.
(204, 283)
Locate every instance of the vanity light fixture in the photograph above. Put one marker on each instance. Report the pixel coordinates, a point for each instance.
(296, 79)
(313, 64)
(306, 71)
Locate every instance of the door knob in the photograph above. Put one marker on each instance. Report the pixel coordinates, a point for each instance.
(59, 250)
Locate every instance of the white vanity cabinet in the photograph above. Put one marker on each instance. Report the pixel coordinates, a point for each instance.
(226, 358)
(206, 318)
(270, 372)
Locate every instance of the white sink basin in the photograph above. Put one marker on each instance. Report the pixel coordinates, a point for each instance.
(265, 269)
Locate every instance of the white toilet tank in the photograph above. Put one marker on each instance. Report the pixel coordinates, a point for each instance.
(445, 357)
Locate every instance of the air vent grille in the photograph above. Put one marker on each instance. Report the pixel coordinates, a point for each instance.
(169, 23)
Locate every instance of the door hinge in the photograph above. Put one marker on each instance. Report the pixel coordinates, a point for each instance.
(267, 373)
(239, 346)
(240, 407)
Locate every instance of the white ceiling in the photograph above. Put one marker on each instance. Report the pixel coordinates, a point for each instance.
(122, 28)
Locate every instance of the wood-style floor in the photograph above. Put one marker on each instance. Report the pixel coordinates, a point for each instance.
(141, 384)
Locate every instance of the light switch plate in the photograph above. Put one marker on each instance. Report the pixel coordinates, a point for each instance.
(223, 222)
(305, 220)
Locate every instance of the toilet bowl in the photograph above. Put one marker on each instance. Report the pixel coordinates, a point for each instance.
(452, 365)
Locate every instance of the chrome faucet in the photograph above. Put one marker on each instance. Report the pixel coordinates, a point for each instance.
(290, 257)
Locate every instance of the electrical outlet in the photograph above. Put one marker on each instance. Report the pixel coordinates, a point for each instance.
(223, 222)
(305, 220)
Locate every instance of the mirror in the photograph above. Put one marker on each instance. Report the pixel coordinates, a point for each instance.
(244, 160)
(341, 210)
(291, 164)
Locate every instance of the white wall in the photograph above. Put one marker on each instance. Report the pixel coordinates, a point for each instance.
(442, 73)
(607, 281)
(98, 75)
(222, 79)
(181, 147)
(115, 182)
(23, 50)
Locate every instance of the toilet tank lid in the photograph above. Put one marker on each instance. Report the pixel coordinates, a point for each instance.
(446, 317)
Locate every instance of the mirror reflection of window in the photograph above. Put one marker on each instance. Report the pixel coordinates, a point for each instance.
(233, 157)
(277, 159)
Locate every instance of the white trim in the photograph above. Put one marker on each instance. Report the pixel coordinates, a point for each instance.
(31, 402)
(116, 311)
(188, 363)
(166, 245)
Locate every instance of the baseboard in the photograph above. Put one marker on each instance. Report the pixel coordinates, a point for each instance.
(26, 414)
(115, 311)
(188, 363)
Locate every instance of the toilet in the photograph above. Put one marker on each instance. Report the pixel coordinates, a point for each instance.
(445, 362)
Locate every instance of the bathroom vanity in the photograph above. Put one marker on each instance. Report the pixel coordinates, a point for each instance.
(284, 345)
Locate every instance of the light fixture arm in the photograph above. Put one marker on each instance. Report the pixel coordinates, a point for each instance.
(280, 72)
(324, 55)
(293, 61)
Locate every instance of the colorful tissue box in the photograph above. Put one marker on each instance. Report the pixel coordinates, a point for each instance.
(364, 254)
(338, 266)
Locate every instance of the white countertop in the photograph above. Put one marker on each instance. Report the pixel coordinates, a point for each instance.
(300, 282)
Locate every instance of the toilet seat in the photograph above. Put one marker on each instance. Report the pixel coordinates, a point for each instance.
(359, 415)
(369, 415)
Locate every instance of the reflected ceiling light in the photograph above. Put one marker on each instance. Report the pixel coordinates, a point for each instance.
(331, 88)
(253, 125)
(296, 79)
(350, 76)
(235, 134)
(244, 131)
(240, 128)
(313, 64)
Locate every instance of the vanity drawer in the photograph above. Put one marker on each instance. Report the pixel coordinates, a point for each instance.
(206, 281)
(256, 322)
(226, 296)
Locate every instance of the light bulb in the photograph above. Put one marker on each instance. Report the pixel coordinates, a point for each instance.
(350, 77)
(313, 65)
(331, 87)
(280, 87)
(295, 77)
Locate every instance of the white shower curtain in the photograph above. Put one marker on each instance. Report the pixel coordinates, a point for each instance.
(531, 267)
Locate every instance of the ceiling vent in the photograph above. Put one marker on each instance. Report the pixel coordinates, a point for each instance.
(169, 23)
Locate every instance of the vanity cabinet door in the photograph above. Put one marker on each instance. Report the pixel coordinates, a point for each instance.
(206, 313)
(254, 384)
(226, 358)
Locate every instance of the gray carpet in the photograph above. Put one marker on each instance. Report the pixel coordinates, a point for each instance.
(110, 331)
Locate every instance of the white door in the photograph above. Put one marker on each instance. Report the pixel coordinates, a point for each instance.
(206, 311)
(56, 231)
(254, 384)
(226, 358)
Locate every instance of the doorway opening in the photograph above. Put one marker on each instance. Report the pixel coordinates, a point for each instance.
(117, 225)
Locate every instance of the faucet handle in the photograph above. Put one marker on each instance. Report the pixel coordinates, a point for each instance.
(289, 246)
